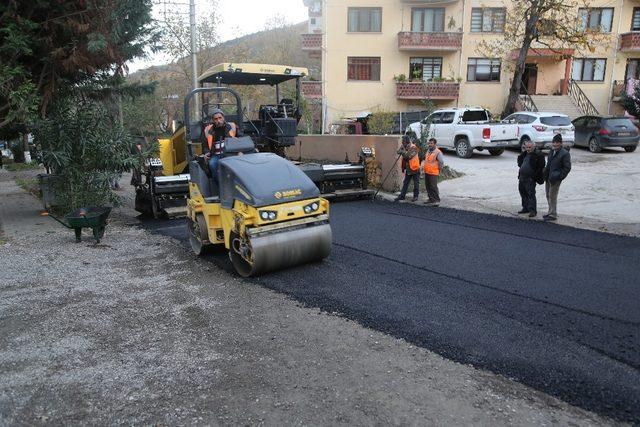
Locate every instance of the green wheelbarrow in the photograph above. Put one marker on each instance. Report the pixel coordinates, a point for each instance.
(94, 218)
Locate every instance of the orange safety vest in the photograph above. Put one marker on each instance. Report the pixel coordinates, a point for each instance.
(216, 147)
(431, 165)
(414, 163)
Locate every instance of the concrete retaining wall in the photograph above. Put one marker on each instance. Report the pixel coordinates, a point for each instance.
(335, 147)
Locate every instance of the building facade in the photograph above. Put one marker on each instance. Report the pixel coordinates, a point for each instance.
(388, 55)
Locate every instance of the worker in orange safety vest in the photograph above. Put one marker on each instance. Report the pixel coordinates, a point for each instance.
(215, 134)
(411, 167)
(433, 164)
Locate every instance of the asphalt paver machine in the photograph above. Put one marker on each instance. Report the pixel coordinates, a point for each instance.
(265, 211)
(275, 126)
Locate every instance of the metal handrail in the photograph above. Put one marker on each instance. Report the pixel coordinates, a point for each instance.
(581, 100)
(527, 101)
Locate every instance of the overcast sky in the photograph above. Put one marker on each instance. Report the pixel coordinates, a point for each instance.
(239, 17)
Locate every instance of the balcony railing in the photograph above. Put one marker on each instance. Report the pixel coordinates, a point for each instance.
(630, 42)
(311, 89)
(409, 40)
(312, 42)
(432, 90)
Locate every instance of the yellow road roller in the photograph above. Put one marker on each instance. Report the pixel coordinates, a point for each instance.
(266, 212)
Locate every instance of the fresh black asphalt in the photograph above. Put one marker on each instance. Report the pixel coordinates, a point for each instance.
(553, 307)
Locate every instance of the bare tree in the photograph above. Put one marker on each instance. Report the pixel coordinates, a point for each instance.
(543, 24)
(176, 37)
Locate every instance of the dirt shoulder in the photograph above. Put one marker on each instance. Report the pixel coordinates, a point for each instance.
(138, 330)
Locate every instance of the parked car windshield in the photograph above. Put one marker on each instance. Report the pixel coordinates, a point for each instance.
(619, 122)
(555, 121)
(474, 116)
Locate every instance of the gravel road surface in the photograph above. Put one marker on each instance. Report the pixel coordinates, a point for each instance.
(553, 307)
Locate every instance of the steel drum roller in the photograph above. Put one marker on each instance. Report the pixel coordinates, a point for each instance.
(284, 249)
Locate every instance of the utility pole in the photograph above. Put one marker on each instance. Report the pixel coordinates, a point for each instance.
(194, 59)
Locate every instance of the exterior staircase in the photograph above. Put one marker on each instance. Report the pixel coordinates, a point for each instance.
(574, 105)
(562, 104)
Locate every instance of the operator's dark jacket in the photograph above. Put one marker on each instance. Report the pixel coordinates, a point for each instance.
(558, 166)
(536, 162)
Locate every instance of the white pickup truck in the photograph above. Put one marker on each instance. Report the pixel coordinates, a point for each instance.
(467, 129)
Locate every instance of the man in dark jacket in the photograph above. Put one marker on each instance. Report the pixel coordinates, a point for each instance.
(411, 168)
(557, 169)
(531, 164)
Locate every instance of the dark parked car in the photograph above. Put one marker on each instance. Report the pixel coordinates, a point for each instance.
(596, 133)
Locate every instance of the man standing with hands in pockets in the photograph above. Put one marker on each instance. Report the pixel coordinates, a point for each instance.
(557, 169)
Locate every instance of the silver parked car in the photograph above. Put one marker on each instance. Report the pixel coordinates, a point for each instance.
(596, 133)
(540, 127)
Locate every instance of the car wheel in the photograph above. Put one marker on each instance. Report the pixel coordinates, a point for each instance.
(594, 147)
(496, 151)
(463, 148)
(630, 149)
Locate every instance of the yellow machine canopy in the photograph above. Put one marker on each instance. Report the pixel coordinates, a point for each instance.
(251, 74)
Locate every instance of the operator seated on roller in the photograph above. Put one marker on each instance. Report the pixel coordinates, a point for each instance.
(215, 134)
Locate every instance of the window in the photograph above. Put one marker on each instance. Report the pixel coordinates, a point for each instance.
(520, 119)
(587, 69)
(635, 21)
(435, 118)
(555, 121)
(365, 20)
(579, 122)
(475, 116)
(427, 20)
(447, 117)
(425, 68)
(363, 68)
(592, 122)
(633, 69)
(596, 18)
(483, 70)
(487, 20)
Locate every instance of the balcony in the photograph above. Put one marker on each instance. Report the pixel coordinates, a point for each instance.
(311, 89)
(429, 41)
(630, 42)
(312, 42)
(432, 90)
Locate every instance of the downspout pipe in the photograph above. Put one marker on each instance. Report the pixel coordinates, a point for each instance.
(615, 56)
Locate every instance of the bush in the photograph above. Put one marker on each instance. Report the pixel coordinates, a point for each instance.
(81, 145)
(381, 123)
(17, 149)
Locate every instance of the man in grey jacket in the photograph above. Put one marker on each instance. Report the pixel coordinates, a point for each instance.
(557, 168)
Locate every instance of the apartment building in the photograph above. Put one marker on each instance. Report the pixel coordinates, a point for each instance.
(389, 54)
